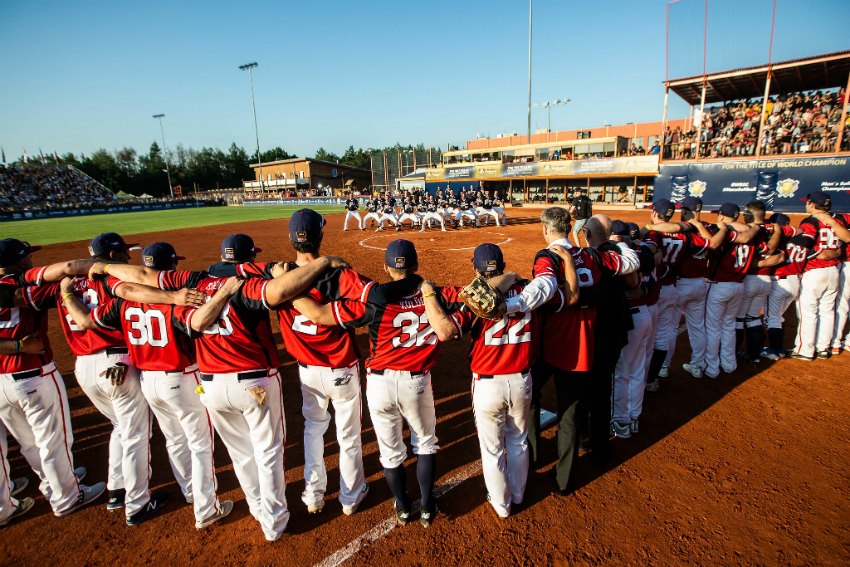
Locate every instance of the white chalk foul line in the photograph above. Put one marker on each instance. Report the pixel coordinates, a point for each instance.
(342, 555)
(364, 245)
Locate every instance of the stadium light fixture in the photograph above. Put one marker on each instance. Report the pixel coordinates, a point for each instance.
(248, 67)
(528, 137)
(164, 152)
(548, 106)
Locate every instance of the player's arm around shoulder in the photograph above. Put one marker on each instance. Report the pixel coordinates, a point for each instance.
(126, 273)
(443, 326)
(208, 314)
(81, 316)
(293, 282)
(318, 313)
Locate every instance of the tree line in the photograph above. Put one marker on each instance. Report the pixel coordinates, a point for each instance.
(209, 168)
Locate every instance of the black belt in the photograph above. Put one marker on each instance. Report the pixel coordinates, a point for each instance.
(381, 373)
(253, 375)
(634, 310)
(783, 277)
(302, 365)
(117, 350)
(26, 374)
(491, 376)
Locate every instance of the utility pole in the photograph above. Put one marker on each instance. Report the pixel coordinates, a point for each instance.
(528, 137)
(165, 153)
(250, 66)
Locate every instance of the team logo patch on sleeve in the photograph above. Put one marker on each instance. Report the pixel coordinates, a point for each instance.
(399, 262)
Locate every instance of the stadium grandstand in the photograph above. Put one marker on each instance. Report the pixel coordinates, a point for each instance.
(30, 188)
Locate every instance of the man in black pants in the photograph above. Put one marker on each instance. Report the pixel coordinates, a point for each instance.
(581, 209)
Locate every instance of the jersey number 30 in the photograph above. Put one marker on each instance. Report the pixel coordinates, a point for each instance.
(147, 327)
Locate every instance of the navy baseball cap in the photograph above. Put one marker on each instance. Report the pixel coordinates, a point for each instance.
(160, 255)
(729, 210)
(238, 247)
(12, 250)
(634, 230)
(400, 254)
(780, 219)
(620, 228)
(488, 258)
(820, 198)
(107, 242)
(306, 225)
(664, 207)
(692, 204)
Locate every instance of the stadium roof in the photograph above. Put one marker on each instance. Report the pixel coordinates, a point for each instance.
(294, 160)
(815, 72)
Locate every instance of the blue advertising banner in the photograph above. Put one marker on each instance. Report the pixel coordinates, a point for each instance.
(298, 201)
(779, 183)
(95, 210)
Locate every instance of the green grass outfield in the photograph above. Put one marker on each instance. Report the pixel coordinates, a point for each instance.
(70, 229)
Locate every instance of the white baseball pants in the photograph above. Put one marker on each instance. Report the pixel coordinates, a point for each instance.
(691, 301)
(320, 387)
(650, 343)
(36, 413)
(721, 307)
(667, 320)
(782, 294)
(394, 397)
(126, 407)
(818, 290)
(486, 214)
(630, 372)
(352, 215)
(466, 214)
(842, 306)
(756, 290)
(386, 217)
(414, 220)
(255, 434)
(501, 405)
(188, 433)
(7, 503)
(434, 216)
(501, 212)
(373, 216)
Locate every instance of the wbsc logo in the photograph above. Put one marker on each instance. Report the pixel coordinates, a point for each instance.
(696, 188)
(787, 187)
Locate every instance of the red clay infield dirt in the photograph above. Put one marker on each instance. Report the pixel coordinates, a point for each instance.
(751, 468)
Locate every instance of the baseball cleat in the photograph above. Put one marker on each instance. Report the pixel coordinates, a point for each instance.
(427, 515)
(652, 386)
(753, 361)
(835, 351)
(823, 354)
(116, 499)
(155, 504)
(80, 473)
(583, 444)
(88, 494)
(224, 509)
(24, 506)
(18, 485)
(693, 370)
(379, 229)
(847, 345)
(364, 228)
(344, 230)
(398, 228)
(401, 514)
(664, 372)
(800, 356)
(622, 430)
(770, 354)
(350, 510)
(315, 507)
(493, 510)
(634, 426)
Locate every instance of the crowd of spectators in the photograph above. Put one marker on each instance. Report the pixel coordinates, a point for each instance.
(797, 123)
(29, 188)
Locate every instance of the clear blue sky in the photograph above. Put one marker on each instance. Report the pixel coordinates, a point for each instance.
(81, 76)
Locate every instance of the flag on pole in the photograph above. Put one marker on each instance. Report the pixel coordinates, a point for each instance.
(25, 156)
(55, 156)
(42, 155)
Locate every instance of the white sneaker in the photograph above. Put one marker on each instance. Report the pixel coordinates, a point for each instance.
(315, 507)
(88, 494)
(224, 509)
(694, 371)
(349, 510)
(18, 485)
(622, 430)
(664, 372)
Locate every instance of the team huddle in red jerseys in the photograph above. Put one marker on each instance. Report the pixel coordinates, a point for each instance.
(195, 351)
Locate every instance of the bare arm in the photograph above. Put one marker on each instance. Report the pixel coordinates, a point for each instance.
(775, 239)
(748, 235)
(714, 241)
(127, 273)
(842, 233)
(31, 344)
(504, 282)
(146, 294)
(318, 313)
(570, 287)
(668, 227)
(78, 312)
(290, 284)
(208, 314)
(55, 272)
(437, 318)
(772, 260)
(829, 255)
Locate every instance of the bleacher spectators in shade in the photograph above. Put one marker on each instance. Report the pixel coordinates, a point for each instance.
(796, 123)
(31, 188)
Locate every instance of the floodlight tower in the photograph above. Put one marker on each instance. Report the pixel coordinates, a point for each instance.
(250, 66)
(164, 152)
(548, 106)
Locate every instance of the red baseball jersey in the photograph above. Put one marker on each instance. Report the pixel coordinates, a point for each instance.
(400, 336)
(825, 239)
(733, 261)
(242, 338)
(675, 248)
(17, 323)
(567, 336)
(845, 247)
(156, 336)
(798, 250)
(767, 229)
(505, 346)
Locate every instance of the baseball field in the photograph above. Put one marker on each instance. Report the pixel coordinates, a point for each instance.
(750, 468)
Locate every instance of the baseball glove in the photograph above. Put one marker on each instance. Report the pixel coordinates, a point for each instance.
(482, 298)
(116, 374)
